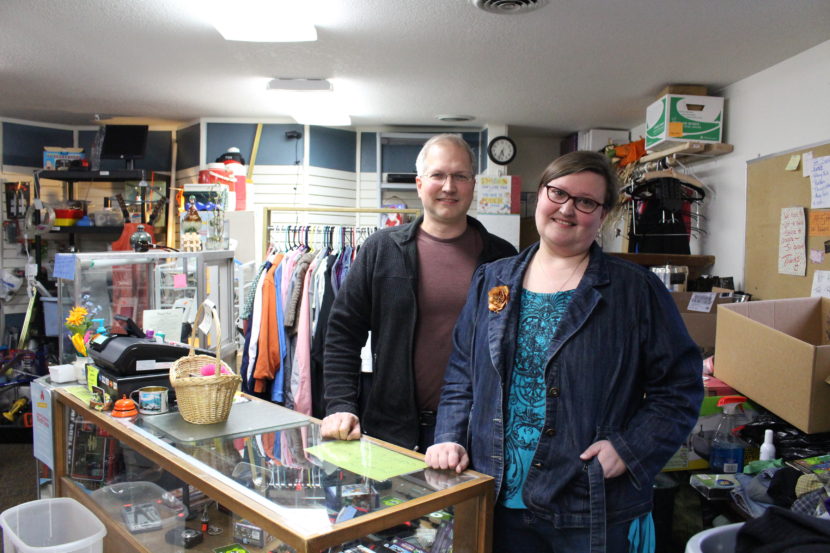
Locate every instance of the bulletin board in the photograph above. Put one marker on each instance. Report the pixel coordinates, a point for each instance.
(771, 187)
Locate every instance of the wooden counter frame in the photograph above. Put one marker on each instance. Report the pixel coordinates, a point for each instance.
(473, 500)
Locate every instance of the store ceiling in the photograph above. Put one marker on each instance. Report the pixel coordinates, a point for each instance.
(569, 66)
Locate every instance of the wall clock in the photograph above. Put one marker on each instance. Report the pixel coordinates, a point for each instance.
(501, 150)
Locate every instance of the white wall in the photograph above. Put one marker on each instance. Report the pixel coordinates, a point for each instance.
(784, 107)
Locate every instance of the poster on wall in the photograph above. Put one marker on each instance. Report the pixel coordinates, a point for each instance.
(498, 195)
(792, 249)
(820, 182)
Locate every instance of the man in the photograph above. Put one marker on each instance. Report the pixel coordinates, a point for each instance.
(407, 287)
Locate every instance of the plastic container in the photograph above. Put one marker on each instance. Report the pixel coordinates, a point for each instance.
(727, 452)
(721, 539)
(62, 373)
(55, 525)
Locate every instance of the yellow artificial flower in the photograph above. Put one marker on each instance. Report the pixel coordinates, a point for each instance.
(78, 342)
(77, 316)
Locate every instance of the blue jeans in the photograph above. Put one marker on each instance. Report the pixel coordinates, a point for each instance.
(520, 531)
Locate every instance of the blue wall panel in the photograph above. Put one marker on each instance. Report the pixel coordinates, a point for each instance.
(187, 147)
(223, 136)
(23, 144)
(368, 152)
(332, 148)
(276, 149)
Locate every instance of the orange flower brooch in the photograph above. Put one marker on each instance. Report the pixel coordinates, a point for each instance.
(497, 298)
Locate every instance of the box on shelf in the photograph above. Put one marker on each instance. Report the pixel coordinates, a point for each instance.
(682, 118)
(595, 140)
(699, 311)
(688, 89)
(59, 157)
(777, 353)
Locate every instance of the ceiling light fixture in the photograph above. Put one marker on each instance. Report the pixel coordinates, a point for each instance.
(447, 118)
(508, 7)
(284, 83)
(261, 20)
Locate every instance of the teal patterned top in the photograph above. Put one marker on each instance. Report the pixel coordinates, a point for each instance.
(538, 319)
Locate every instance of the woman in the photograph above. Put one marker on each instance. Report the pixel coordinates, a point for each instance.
(572, 380)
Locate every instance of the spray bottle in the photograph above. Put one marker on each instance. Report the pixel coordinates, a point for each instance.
(727, 452)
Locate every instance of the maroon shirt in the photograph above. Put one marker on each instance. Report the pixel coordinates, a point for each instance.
(445, 269)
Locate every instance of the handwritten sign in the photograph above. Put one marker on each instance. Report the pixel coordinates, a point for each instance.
(820, 182)
(495, 194)
(792, 250)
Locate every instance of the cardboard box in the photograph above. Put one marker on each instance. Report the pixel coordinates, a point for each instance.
(699, 312)
(56, 157)
(682, 118)
(777, 353)
(688, 89)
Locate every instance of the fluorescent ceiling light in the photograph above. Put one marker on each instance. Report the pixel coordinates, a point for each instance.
(262, 20)
(281, 83)
(312, 107)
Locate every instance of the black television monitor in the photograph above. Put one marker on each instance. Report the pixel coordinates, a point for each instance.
(127, 142)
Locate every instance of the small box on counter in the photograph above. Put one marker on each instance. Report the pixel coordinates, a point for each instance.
(777, 353)
(60, 157)
(714, 486)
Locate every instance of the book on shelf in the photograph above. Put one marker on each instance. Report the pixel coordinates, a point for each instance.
(819, 465)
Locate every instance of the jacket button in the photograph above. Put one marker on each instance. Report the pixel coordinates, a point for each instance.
(550, 432)
(553, 391)
(537, 465)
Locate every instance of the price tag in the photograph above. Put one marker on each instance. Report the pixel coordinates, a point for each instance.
(701, 301)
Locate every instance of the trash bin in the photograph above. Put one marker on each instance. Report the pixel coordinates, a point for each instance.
(55, 525)
(720, 539)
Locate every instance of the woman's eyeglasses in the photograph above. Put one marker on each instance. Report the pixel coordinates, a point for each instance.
(581, 203)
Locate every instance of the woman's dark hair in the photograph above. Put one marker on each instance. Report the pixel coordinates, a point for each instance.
(581, 161)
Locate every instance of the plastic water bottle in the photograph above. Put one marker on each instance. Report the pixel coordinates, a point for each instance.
(727, 452)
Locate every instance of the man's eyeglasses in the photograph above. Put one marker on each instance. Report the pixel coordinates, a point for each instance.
(581, 203)
(441, 178)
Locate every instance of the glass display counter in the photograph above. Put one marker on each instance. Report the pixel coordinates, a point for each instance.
(132, 284)
(263, 480)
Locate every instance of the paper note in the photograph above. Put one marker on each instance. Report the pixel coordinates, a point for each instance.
(495, 194)
(792, 164)
(792, 251)
(821, 284)
(819, 223)
(367, 459)
(180, 280)
(816, 256)
(64, 266)
(42, 423)
(806, 164)
(820, 182)
(168, 321)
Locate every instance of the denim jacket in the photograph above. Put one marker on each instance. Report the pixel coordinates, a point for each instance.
(621, 367)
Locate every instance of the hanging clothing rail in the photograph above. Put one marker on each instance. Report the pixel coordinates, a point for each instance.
(267, 210)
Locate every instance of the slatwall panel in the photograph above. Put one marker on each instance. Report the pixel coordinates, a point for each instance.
(13, 256)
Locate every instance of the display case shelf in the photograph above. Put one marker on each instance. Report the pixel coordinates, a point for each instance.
(321, 501)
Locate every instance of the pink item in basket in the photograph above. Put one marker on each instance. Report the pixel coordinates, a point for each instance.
(210, 370)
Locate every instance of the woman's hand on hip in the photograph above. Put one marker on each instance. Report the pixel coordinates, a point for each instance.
(611, 462)
(447, 455)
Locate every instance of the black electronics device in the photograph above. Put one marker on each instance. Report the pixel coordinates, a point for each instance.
(184, 537)
(117, 385)
(126, 355)
(124, 141)
(401, 177)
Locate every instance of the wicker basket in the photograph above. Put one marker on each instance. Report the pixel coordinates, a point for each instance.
(204, 399)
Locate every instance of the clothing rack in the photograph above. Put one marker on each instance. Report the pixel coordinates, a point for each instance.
(267, 210)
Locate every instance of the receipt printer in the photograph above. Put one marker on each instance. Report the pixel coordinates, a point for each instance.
(126, 355)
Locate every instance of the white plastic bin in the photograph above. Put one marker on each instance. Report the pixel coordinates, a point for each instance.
(56, 525)
(720, 539)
